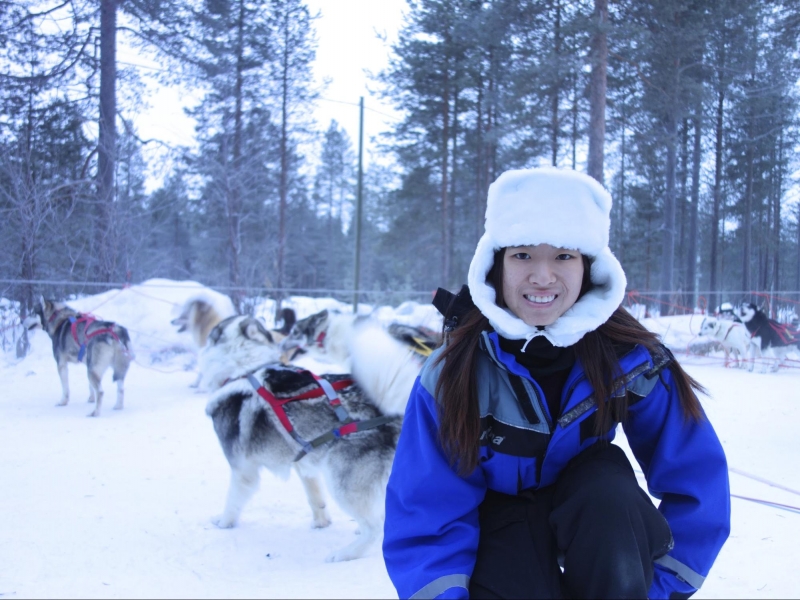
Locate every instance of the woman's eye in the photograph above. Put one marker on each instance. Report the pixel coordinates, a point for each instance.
(522, 255)
(565, 256)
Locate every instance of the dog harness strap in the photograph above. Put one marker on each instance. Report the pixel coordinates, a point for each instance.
(342, 431)
(87, 335)
(420, 347)
(277, 405)
(333, 397)
(729, 330)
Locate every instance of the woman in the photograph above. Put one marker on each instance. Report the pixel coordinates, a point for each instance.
(504, 484)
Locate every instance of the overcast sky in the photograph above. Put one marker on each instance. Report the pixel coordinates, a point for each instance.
(349, 35)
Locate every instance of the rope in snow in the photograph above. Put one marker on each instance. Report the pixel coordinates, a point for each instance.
(762, 480)
(786, 507)
(154, 298)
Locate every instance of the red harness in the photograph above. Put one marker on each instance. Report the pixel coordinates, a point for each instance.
(326, 388)
(87, 335)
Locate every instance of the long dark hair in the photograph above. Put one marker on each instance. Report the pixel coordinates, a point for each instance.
(459, 413)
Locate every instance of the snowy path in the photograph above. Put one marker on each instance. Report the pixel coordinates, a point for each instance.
(120, 506)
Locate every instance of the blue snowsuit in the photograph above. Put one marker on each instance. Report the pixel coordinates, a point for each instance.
(431, 531)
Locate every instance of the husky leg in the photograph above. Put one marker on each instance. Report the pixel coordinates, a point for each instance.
(63, 373)
(122, 361)
(244, 483)
(95, 380)
(364, 500)
(370, 526)
(315, 497)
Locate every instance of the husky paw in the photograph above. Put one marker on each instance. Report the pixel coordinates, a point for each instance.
(321, 522)
(342, 555)
(118, 406)
(63, 402)
(94, 413)
(224, 522)
(90, 400)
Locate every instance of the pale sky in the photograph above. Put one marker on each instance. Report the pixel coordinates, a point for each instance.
(348, 47)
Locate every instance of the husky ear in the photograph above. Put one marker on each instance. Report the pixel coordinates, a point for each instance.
(254, 330)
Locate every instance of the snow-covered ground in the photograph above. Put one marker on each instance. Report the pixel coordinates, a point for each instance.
(120, 506)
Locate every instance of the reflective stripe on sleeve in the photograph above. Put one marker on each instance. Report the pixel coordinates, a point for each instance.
(693, 578)
(436, 587)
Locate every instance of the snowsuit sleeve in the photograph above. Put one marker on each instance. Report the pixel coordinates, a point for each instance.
(431, 530)
(685, 466)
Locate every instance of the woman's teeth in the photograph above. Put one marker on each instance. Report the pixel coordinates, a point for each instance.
(540, 299)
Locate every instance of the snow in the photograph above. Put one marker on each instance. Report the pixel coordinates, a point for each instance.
(120, 506)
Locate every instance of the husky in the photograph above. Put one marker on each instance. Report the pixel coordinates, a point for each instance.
(733, 337)
(199, 317)
(234, 346)
(346, 435)
(769, 335)
(328, 335)
(80, 338)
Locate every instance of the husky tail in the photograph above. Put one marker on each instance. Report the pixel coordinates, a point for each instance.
(123, 353)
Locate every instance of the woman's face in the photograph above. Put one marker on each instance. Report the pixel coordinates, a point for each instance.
(540, 283)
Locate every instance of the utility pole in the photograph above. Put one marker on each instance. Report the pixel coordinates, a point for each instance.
(359, 205)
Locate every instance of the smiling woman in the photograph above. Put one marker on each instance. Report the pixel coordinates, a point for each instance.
(504, 483)
(540, 283)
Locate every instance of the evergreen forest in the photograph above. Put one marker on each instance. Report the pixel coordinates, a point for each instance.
(686, 110)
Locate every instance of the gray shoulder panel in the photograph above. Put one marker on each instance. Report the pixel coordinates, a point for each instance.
(693, 578)
(438, 586)
(429, 374)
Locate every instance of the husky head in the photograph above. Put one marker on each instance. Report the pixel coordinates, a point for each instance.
(308, 332)
(198, 317)
(239, 330)
(710, 327)
(45, 313)
(748, 311)
(236, 346)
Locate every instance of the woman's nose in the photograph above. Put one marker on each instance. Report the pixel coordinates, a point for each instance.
(541, 273)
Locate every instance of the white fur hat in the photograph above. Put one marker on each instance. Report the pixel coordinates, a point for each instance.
(565, 209)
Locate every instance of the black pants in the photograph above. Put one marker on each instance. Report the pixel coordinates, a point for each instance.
(595, 521)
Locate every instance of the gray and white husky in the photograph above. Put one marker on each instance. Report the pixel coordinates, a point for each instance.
(80, 338)
(354, 465)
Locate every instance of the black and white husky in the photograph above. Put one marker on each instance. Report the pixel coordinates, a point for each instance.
(770, 336)
(80, 338)
(344, 431)
(734, 339)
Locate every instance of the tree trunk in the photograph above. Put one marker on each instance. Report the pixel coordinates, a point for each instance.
(691, 266)
(597, 100)
(715, 213)
(748, 222)
(234, 192)
(283, 186)
(776, 261)
(668, 234)
(621, 195)
(106, 150)
(555, 100)
(445, 162)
